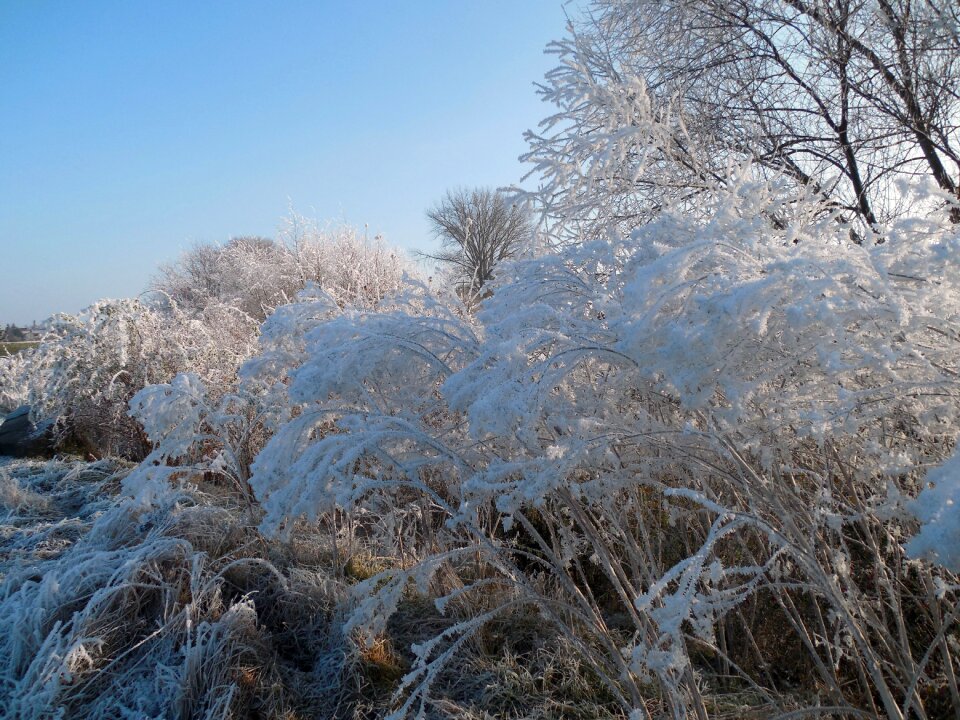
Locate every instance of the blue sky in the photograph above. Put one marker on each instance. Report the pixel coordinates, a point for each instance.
(130, 131)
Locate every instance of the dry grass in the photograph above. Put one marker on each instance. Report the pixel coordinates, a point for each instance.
(185, 610)
(176, 610)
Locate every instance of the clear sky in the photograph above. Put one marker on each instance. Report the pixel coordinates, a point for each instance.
(131, 130)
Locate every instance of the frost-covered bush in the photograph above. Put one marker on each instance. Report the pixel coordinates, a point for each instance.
(202, 319)
(352, 269)
(219, 429)
(254, 275)
(191, 429)
(13, 389)
(375, 373)
(90, 366)
(251, 274)
(688, 447)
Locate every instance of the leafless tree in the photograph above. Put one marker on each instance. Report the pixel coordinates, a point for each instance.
(477, 229)
(845, 97)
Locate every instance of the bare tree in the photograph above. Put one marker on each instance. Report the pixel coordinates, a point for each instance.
(477, 229)
(844, 97)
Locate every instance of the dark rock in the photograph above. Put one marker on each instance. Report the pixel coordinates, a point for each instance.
(20, 437)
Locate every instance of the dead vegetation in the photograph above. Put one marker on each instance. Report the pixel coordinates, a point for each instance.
(109, 609)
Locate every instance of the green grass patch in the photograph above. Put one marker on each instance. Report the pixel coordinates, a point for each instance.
(9, 348)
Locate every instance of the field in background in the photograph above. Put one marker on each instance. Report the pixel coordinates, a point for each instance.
(9, 348)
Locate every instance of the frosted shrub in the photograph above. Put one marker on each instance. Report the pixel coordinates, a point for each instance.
(667, 443)
(402, 355)
(352, 269)
(204, 319)
(252, 275)
(13, 386)
(218, 424)
(93, 363)
(195, 432)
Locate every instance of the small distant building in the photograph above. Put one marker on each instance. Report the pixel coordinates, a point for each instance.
(18, 333)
